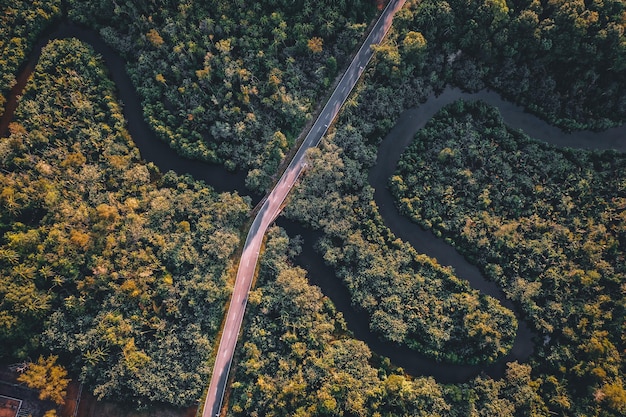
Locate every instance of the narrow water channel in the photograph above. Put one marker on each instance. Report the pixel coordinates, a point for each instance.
(357, 321)
(151, 148)
(424, 241)
(154, 150)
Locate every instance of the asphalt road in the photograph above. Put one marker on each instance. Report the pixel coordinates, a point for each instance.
(271, 208)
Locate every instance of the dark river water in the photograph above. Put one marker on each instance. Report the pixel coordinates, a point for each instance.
(154, 150)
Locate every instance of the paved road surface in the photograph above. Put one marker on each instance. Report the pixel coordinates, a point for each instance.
(271, 208)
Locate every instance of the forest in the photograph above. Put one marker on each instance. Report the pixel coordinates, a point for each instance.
(411, 299)
(577, 303)
(115, 267)
(20, 24)
(564, 59)
(119, 273)
(230, 82)
(548, 225)
(298, 360)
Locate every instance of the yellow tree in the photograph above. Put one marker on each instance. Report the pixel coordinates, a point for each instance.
(316, 45)
(47, 377)
(414, 42)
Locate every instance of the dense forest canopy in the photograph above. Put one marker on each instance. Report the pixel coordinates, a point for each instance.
(298, 360)
(579, 370)
(411, 299)
(121, 270)
(548, 225)
(564, 59)
(105, 261)
(20, 23)
(230, 81)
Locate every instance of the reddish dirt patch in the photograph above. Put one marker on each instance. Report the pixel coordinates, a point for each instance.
(9, 406)
(9, 387)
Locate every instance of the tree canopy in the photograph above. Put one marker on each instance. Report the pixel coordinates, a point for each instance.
(220, 78)
(547, 224)
(21, 21)
(121, 270)
(104, 259)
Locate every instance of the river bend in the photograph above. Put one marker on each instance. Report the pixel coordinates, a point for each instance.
(152, 149)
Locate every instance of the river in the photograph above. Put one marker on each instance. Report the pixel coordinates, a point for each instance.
(152, 149)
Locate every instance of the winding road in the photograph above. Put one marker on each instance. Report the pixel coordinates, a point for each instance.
(272, 206)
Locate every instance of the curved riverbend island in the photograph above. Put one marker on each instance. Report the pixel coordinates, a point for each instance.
(424, 241)
(152, 149)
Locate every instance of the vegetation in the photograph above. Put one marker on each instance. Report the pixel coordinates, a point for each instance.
(230, 81)
(298, 360)
(115, 267)
(120, 270)
(410, 298)
(572, 373)
(548, 225)
(553, 57)
(21, 21)
(47, 377)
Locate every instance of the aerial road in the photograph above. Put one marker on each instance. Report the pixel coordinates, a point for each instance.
(271, 208)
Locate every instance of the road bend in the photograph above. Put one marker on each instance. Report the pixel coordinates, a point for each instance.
(271, 208)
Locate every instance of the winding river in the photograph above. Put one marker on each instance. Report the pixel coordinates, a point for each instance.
(152, 149)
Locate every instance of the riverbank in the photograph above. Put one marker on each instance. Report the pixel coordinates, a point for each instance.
(157, 152)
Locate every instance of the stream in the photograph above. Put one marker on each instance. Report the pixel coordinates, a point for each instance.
(154, 150)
